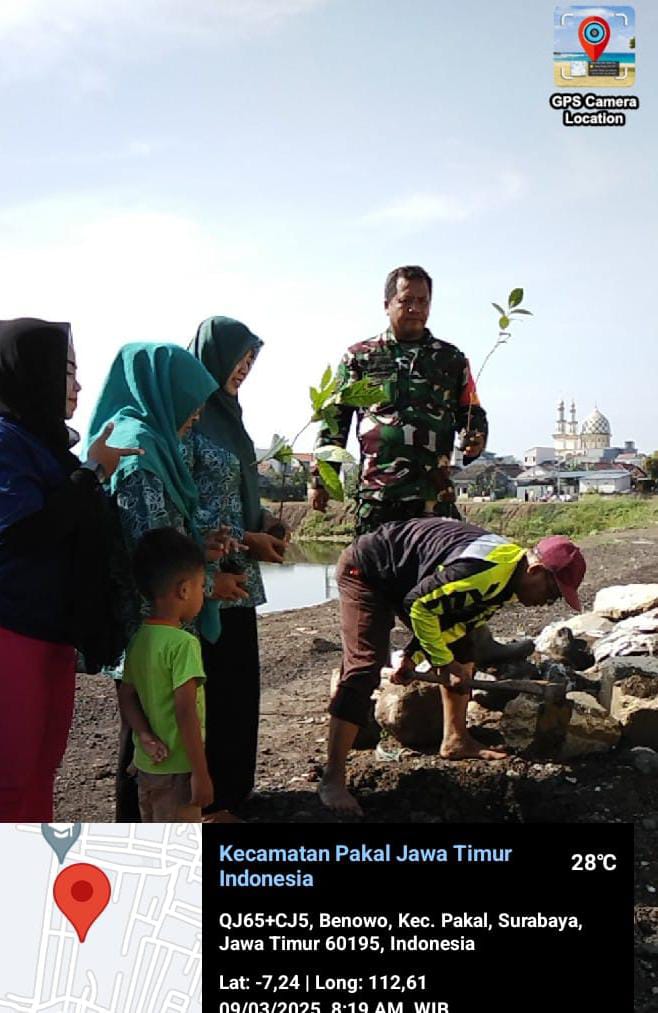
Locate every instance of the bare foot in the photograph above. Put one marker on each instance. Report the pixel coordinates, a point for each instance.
(336, 797)
(465, 747)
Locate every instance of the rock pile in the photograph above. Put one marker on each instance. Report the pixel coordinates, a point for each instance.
(606, 661)
(620, 702)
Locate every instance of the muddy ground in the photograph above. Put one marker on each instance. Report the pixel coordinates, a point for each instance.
(298, 651)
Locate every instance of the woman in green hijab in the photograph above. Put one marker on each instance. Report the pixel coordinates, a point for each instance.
(154, 393)
(225, 473)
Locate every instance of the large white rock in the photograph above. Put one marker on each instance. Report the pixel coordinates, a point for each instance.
(624, 600)
(635, 635)
(635, 705)
(412, 714)
(591, 729)
(558, 643)
(587, 625)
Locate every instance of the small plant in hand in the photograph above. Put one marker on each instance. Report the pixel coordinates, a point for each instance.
(506, 317)
(325, 402)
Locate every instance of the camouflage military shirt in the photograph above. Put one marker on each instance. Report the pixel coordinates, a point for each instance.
(410, 435)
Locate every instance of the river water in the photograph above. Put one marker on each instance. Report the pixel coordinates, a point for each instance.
(306, 578)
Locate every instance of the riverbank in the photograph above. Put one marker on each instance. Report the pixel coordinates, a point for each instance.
(523, 522)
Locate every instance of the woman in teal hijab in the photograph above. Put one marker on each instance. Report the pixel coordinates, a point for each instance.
(153, 392)
(226, 476)
(221, 344)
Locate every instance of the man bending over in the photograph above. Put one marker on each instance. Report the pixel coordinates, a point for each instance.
(443, 578)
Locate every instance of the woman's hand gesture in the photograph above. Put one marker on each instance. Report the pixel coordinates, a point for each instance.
(109, 457)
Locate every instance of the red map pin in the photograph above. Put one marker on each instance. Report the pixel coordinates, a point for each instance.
(81, 893)
(594, 35)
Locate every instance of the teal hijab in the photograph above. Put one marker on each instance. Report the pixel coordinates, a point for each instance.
(151, 390)
(219, 344)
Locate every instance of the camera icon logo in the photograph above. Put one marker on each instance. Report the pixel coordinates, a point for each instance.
(594, 46)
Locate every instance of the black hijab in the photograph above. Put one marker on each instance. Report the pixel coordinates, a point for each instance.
(33, 358)
(33, 361)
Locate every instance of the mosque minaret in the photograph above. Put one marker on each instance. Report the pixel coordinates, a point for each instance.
(595, 433)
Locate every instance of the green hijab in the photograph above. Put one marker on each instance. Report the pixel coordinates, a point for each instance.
(150, 391)
(220, 343)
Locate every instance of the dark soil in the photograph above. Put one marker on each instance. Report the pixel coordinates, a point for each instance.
(299, 649)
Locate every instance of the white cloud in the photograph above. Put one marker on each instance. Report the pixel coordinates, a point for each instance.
(118, 275)
(420, 209)
(122, 273)
(40, 34)
(69, 17)
(140, 149)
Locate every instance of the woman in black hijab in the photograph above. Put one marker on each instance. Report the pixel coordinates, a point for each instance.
(54, 578)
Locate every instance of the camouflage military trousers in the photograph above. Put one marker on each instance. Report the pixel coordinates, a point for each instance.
(370, 514)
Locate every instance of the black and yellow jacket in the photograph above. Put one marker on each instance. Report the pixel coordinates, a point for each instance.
(443, 578)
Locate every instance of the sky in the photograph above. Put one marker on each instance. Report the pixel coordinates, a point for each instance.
(272, 160)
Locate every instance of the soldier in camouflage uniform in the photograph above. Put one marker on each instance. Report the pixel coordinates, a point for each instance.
(406, 444)
(406, 441)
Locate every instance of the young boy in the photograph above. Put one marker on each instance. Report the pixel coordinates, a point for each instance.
(161, 695)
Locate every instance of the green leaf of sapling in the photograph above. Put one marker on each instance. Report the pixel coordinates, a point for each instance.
(330, 480)
(284, 454)
(316, 398)
(329, 418)
(362, 394)
(515, 297)
(278, 442)
(336, 454)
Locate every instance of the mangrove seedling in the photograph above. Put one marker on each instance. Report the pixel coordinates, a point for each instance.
(506, 317)
(325, 402)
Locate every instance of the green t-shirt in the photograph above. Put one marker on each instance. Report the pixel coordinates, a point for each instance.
(159, 659)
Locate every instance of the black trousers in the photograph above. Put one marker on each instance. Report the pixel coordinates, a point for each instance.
(232, 699)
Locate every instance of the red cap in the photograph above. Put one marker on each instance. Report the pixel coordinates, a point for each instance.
(566, 562)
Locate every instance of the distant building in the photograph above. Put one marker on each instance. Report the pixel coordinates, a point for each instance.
(491, 478)
(566, 438)
(536, 483)
(539, 483)
(592, 439)
(605, 482)
(538, 455)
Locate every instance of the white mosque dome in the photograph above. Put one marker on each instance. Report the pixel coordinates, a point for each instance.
(596, 424)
